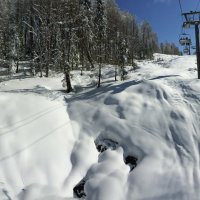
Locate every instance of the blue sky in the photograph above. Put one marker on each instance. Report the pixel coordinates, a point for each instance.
(163, 15)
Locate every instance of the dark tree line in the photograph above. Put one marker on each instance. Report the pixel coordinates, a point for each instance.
(169, 48)
(62, 35)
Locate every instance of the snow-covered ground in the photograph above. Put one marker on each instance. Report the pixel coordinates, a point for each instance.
(48, 139)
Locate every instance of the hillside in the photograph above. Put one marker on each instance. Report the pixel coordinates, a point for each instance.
(146, 128)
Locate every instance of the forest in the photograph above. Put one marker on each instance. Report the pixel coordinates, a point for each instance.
(65, 35)
(97, 102)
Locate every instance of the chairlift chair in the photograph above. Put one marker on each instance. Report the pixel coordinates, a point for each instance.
(186, 25)
(186, 51)
(185, 39)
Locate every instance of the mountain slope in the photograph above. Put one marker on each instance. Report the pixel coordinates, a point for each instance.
(48, 138)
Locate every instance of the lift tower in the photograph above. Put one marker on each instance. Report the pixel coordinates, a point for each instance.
(192, 19)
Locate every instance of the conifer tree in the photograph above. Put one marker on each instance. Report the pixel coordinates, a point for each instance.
(100, 27)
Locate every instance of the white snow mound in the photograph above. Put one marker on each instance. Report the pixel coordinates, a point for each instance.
(47, 142)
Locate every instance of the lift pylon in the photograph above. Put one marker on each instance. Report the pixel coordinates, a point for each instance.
(192, 19)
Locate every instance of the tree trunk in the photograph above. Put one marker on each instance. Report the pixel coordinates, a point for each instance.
(47, 70)
(40, 66)
(68, 81)
(89, 57)
(115, 73)
(17, 69)
(99, 78)
(100, 63)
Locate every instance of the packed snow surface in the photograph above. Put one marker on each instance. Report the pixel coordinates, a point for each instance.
(47, 138)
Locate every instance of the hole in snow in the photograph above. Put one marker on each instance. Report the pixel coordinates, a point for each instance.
(131, 161)
(79, 189)
(101, 146)
(104, 144)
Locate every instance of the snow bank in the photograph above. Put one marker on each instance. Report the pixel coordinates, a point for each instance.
(39, 150)
(146, 121)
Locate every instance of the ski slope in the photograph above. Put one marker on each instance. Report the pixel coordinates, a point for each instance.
(49, 140)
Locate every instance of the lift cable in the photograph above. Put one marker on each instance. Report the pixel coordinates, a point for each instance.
(181, 10)
(180, 6)
(197, 5)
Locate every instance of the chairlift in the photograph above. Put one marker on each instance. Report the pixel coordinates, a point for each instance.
(193, 47)
(185, 39)
(186, 25)
(186, 51)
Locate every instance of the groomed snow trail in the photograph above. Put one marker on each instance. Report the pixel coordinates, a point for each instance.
(47, 141)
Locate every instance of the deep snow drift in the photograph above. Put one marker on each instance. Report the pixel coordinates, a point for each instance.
(48, 138)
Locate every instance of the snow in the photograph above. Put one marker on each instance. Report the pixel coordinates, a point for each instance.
(47, 138)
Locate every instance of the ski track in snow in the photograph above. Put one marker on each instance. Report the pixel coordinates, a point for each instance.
(47, 137)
